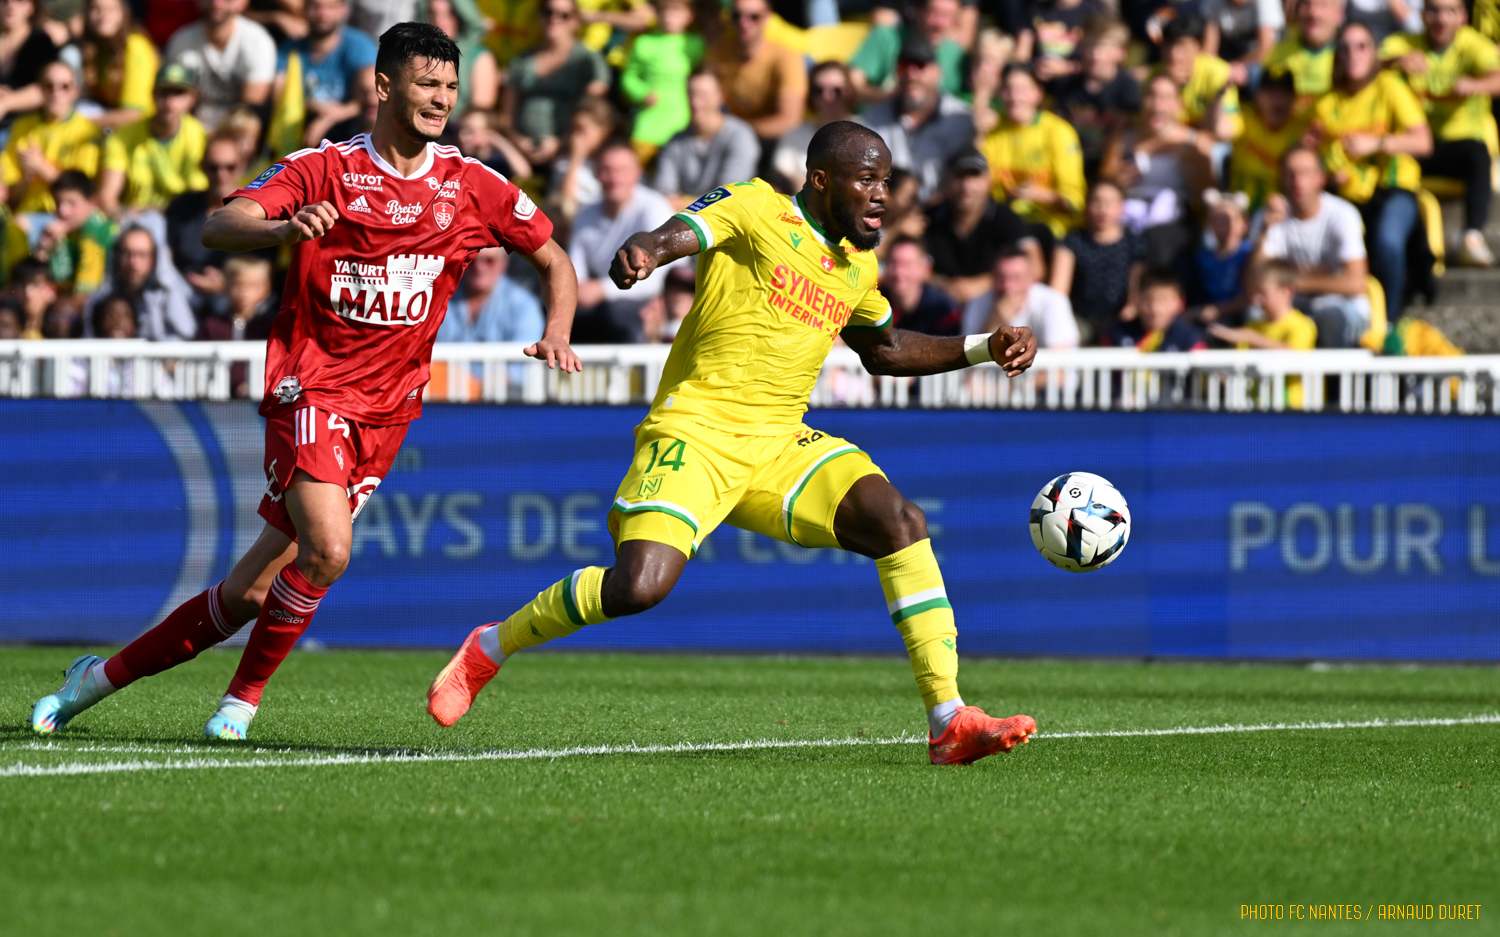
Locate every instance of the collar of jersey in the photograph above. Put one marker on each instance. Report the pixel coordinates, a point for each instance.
(387, 168)
(802, 213)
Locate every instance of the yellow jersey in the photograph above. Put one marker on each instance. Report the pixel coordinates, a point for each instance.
(1311, 69)
(1045, 152)
(1255, 163)
(156, 171)
(773, 292)
(1469, 54)
(70, 143)
(1210, 77)
(1385, 105)
(1296, 331)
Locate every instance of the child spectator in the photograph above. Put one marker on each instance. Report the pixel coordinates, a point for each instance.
(1270, 131)
(47, 142)
(114, 317)
(1273, 323)
(1101, 97)
(149, 162)
(656, 74)
(1051, 40)
(1209, 102)
(76, 244)
(251, 303)
(1217, 269)
(35, 292)
(1160, 325)
(1100, 266)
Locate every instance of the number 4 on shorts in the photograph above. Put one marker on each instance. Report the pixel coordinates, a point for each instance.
(676, 449)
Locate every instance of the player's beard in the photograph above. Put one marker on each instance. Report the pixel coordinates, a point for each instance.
(847, 224)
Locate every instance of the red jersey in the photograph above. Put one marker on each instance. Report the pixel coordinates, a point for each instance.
(363, 303)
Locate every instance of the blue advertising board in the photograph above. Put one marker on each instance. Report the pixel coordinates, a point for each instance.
(1278, 536)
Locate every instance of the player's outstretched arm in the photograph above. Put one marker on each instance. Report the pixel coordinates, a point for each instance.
(644, 251)
(242, 225)
(560, 295)
(912, 354)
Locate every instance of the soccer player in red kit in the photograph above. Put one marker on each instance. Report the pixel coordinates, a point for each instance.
(384, 225)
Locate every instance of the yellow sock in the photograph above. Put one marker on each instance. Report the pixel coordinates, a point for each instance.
(556, 612)
(918, 604)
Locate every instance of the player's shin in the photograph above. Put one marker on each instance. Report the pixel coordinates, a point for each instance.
(556, 612)
(193, 627)
(918, 605)
(286, 613)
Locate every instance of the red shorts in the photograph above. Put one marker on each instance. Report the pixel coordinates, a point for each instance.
(331, 449)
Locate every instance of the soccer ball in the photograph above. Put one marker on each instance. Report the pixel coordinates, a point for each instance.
(1079, 522)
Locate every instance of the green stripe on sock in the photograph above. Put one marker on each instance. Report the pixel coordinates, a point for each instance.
(570, 603)
(902, 614)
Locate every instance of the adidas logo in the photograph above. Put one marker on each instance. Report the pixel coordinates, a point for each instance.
(359, 204)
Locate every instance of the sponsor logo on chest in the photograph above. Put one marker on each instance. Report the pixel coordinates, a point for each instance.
(447, 189)
(395, 293)
(403, 212)
(370, 182)
(807, 302)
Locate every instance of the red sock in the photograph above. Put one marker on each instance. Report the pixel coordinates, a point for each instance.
(287, 612)
(196, 625)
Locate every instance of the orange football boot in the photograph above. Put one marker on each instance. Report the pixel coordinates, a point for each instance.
(453, 692)
(974, 734)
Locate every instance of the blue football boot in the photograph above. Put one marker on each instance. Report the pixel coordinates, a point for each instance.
(78, 692)
(232, 720)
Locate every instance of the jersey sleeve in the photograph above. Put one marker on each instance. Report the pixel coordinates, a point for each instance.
(1484, 55)
(510, 215)
(1406, 110)
(873, 311)
(287, 184)
(724, 214)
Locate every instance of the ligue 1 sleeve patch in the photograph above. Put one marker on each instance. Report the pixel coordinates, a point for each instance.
(708, 198)
(266, 176)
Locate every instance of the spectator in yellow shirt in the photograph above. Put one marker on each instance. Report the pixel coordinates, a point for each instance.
(1209, 102)
(1270, 131)
(149, 162)
(118, 63)
(1036, 163)
(1274, 324)
(1306, 52)
(44, 144)
(1454, 72)
(1372, 131)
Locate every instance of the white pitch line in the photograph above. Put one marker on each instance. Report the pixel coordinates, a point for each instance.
(20, 769)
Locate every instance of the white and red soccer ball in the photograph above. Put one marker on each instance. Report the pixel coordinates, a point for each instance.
(1080, 522)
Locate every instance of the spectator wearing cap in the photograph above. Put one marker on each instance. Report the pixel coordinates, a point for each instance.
(149, 162)
(715, 149)
(233, 57)
(47, 143)
(334, 58)
(966, 231)
(918, 305)
(923, 126)
(765, 83)
(873, 69)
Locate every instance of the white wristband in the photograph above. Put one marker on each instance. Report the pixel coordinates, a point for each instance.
(977, 348)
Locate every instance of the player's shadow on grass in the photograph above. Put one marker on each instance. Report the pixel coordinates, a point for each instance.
(84, 734)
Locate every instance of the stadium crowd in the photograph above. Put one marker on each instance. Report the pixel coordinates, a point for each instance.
(1164, 174)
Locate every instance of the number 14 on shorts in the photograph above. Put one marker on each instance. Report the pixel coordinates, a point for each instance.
(673, 456)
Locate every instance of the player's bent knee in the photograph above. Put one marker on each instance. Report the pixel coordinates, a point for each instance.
(905, 526)
(323, 564)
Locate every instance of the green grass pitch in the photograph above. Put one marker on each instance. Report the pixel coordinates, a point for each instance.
(1167, 834)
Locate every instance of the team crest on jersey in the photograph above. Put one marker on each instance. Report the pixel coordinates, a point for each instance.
(852, 276)
(289, 389)
(397, 293)
(708, 198)
(828, 263)
(443, 212)
(266, 176)
(650, 486)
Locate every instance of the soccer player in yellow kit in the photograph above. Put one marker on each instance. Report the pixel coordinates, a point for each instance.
(724, 442)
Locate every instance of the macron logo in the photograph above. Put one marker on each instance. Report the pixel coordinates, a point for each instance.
(358, 204)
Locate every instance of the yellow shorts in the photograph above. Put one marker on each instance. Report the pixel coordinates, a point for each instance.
(688, 477)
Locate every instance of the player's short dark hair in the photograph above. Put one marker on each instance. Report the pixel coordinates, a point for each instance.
(407, 41)
(71, 180)
(1183, 26)
(28, 270)
(830, 142)
(1159, 278)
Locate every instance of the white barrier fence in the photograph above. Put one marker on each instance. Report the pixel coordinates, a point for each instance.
(1086, 379)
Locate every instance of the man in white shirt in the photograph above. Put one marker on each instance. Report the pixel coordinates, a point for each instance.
(606, 313)
(1017, 299)
(233, 57)
(1323, 236)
